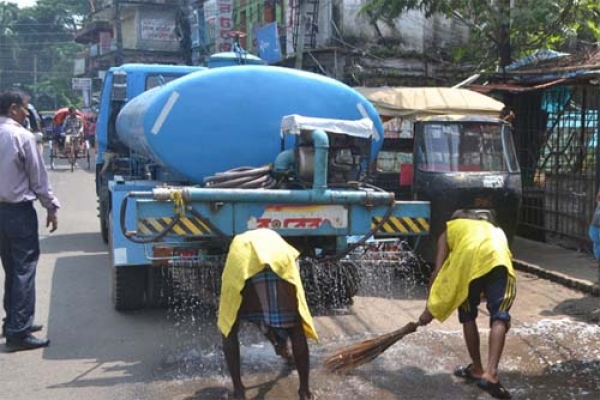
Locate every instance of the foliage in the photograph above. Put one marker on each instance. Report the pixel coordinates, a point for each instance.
(37, 49)
(508, 31)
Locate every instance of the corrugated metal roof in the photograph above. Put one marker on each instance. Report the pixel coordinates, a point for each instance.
(540, 72)
(514, 87)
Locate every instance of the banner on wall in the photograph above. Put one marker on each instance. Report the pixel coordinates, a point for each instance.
(224, 25)
(269, 48)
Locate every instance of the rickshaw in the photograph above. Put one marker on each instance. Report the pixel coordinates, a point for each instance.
(450, 147)
(78, 148)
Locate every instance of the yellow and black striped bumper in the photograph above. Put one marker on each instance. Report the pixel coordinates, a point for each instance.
(183, 227)
(402, 225)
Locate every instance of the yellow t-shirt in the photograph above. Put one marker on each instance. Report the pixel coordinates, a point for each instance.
(248, 255)
(475, 248)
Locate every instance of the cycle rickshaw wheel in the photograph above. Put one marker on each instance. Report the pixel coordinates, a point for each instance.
(87, 154)
(73, 150)
(52, 155)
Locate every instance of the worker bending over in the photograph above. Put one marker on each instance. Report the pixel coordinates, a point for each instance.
(473, 261)
(261, 284)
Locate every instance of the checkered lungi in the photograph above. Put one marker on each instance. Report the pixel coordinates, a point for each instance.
(267, 299)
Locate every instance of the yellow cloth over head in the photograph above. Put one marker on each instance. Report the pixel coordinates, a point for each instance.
(249, 253)
(475, 248)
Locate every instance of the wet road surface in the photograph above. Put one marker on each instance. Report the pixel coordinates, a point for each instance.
(551, 352)
(96, 353)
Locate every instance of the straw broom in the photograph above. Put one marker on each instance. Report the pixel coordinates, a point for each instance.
(360, 353)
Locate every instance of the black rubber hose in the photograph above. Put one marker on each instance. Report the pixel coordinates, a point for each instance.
(242, 178)
(135, 239)
(236, 173)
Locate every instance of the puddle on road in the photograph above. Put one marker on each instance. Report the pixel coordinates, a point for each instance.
(549, 360)
(546, 360)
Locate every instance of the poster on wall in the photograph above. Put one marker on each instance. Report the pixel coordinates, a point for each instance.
(269, 48)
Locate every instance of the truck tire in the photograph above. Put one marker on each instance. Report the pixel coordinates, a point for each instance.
(349, 283)
(103, 229)
(103, 212)
(161, 290)
(128, 283)
(129, 287)
(330, 285)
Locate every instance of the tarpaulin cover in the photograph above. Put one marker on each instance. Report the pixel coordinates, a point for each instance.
(294, 124)
(423, 101)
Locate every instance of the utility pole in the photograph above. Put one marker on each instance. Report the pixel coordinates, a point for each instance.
(35, 62)
(301, 32)
(504, 45)
(119, 29)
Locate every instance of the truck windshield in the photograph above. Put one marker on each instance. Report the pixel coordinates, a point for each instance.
(153, 81)
(465, 147)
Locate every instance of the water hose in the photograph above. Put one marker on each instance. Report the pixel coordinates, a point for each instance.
(242, 178)
(132, 235)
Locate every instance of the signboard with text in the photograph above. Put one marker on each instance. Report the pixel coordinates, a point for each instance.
(157, 29)
(81, 83)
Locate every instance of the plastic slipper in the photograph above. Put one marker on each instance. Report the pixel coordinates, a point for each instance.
(494, 389)
(465, 373)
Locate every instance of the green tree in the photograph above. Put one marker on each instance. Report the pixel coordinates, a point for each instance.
(44, 50)
(9, 46)
(501, 32)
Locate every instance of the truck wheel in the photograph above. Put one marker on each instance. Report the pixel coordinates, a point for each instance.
(103, 229)
(103, 212)
(161, 288)
(128, 283)
(330, 284)
(129, 287)
(349, 283)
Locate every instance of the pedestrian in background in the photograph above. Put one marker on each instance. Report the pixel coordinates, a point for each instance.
(24, 179)
(473, 260)
(261, 284)
(33, 123)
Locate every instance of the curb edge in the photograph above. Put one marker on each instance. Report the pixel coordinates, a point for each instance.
(577, 284)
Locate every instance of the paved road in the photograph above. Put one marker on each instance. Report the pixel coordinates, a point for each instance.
(552, 352)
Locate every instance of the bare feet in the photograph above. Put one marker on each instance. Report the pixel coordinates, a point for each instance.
(306, 395)
(239, 393)
(489, 378)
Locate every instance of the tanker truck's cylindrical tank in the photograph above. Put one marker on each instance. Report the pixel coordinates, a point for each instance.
(216, 120)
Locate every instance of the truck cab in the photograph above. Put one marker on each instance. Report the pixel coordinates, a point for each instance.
(122, 84)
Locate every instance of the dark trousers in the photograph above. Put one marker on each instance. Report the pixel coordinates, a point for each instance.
(19, 252)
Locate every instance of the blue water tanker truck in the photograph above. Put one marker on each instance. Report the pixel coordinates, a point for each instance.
(184, 166)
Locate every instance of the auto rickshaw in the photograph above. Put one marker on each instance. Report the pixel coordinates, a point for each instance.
(449, 147)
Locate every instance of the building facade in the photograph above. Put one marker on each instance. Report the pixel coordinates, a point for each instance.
(326, 35)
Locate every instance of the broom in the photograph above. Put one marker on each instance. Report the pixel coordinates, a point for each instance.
(360, 353)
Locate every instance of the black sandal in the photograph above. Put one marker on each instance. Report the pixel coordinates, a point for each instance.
(494, 389)
(465, 373)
